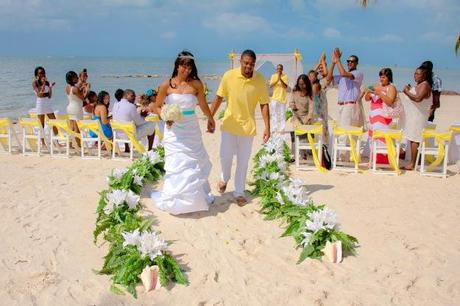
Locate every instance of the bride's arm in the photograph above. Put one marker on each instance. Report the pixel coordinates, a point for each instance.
(156, 107)
(204, 105)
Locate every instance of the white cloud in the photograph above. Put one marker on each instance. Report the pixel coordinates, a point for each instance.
(332, 33)
(437, 37)
(235, 24)
(385, 38)
(168, 35)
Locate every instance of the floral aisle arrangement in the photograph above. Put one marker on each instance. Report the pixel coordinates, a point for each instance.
(312, 226)
(134, 247)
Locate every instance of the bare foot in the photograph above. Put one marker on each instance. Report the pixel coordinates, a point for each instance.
(408, 168)
(221, 186)
(241, 201)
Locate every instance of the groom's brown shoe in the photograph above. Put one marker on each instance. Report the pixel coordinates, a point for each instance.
(221, 186)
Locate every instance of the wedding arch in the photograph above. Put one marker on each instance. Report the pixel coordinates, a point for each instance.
(292, 62)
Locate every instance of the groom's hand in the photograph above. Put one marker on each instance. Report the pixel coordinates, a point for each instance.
(211, 125)
(266, 135)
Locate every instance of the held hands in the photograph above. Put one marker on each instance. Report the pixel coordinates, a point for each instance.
(266, 135)
(211, 125)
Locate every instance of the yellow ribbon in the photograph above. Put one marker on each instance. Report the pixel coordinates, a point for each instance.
(155, 119)
(130, 130)
(63, 127)
(28, 124)
(4, 126)
(350, 132)
(312, 130)
(455, 129)
(94, 126)
(440, 138)
(389, 135)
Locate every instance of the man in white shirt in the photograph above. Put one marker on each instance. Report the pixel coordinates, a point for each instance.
(126, 111)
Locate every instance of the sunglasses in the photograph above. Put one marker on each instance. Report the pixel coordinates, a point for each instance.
(351, 61)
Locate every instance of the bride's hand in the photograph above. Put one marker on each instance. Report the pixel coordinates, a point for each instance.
(169, 123)
(211, 125)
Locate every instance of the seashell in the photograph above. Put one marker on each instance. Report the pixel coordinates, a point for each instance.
(333, 251)
(150, 278)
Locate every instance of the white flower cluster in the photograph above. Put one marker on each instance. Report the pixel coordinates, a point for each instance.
(268, 158)
(296, 192)
(152, 156)
(147, 243)
(275, 144)
(117, 197)
(118, 173)
(318, 220)
(171, 112)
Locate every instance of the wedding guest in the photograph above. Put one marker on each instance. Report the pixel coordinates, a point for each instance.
(118, 95)
(89, 103)
(381, 93)
(243, 89)
(349, 83)
(43, 91)
(83, 84)
(279, 83)
(301, 104)
(76, 98)
(101, 112)
(125, 111)
(416, 110)
(435, 90)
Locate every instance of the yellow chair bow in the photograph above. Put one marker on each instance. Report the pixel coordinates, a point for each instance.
(440, 138)
(95, 126)
(389, 136)
(312, 130)
(130, 130)
(350, 132)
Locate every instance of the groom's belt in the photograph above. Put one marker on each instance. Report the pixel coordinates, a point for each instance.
(188, 112)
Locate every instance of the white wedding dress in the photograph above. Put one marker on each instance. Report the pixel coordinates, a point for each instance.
(186, 188)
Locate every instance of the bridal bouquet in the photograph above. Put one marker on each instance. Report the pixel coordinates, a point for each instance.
(171, 113)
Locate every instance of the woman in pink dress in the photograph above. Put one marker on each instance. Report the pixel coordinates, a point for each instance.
(380, 94)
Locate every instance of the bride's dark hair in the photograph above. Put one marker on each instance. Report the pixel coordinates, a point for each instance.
(185, 58)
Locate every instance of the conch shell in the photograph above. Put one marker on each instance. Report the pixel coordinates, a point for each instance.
(150, 278)
(333, 251)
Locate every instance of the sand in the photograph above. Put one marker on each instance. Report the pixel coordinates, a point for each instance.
(407, 227)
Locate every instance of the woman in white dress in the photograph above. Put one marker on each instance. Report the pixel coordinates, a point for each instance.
(186, 188)
(417, 103)
(43, 91)
(76, 98)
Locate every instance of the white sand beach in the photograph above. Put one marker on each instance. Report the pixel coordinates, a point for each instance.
(407, 227)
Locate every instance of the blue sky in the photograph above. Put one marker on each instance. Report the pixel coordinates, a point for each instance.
(388, 32)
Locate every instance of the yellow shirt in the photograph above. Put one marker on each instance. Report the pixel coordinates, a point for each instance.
(242, 96)
(279, 91)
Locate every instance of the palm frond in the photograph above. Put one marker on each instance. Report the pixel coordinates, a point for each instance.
(364, 3)
(457, 45)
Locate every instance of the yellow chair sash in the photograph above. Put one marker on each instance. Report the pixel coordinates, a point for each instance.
(130, 130)
(316, 130)
(4, 126)
(389, 136)
(94, 126)
(350, 132)
(28, 124)
(63, 125)
(440, 138)
(455, 129)
(155, 119)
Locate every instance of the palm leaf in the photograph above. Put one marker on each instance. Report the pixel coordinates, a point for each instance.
(364, 3)
(457, 45)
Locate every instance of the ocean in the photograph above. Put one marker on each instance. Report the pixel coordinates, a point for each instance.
(139, 74)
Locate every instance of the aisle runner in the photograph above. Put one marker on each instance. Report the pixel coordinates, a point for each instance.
(312, 226)
(135, 250)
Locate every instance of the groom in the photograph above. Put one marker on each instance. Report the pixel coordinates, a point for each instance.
(243, 88)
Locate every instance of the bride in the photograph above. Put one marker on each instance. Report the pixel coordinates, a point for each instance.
(186, 188)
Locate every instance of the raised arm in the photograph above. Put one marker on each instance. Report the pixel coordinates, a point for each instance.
(330, 71)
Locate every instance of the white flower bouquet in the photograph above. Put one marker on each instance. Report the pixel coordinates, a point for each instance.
(171, 113)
